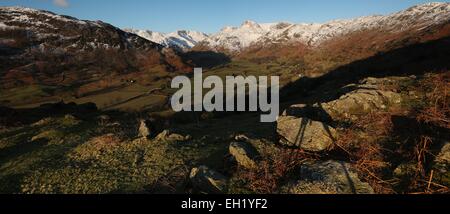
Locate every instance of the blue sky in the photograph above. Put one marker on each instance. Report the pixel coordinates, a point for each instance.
(211, 15)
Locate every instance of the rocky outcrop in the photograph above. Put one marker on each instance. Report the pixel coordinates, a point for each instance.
(355, 100)
(360, 102)
(305, 133)
(371, 94)
(245, 154)
(308, 126)
(207, 180)
(331, 177)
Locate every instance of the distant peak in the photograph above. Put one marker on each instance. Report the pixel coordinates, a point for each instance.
(227, 28)
(249, 23)
(182, 32)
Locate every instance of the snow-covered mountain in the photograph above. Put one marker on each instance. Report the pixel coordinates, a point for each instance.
(182, 40)
(50, 30)
(251, 33)
(37, 46)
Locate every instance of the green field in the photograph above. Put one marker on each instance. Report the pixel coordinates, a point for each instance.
(132, 97)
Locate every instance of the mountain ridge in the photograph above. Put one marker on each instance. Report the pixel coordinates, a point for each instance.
(250, 33)
(41, 47)
(235, 39)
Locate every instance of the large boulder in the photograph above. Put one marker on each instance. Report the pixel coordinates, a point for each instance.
(370, 95)
(331, 177)
(305, 133)
(360, 102)
(245, 154)
(207, 180)
(353, 101)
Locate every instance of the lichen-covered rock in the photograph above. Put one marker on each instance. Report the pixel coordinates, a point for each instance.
(178, 138)
(162, 136)
(51, 134)
(360, 102)
(167, 136)
(442, 164)
(353, 101)
(443, 157)
(442, 161)
(306, 134)
(241, 138)
(245, 154)
(386, 81)
(43, 122)
(69, 120)
(371, 94)
(331, 177)
(405, 170)
(207, 180)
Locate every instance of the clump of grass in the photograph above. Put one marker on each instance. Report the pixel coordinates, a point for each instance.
(435, 117)
(95, 147)
(273, 171)
(437, 89)
(362, 143)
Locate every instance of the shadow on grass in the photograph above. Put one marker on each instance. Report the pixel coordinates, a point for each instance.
(417, 59)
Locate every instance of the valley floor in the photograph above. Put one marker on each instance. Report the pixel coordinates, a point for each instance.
(380, 135)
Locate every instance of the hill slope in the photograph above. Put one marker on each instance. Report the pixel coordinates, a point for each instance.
(49, 57)
(40, 46)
